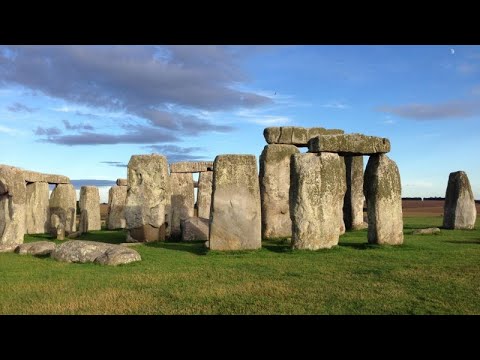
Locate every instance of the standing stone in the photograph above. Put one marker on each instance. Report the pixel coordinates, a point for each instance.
(54, 222)
(459, 209)
(60, 232)
(195, 228)
(37, 217)
(191, 166)
(235, 219)
(317, 190)
(89, 205)
(117, 195)
(183, 201)
(12, 205)
(354, 198)
(204, 194)
(63, 202)
(274, 190)
(383, 190)
(148, 193)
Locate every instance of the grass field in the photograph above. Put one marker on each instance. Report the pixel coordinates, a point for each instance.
(429, 274)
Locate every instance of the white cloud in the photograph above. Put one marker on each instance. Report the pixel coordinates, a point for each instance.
(389, 121)
(269, 120)
(335, 105)
(10, 131)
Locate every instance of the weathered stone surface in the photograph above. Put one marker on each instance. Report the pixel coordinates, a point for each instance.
(54, 222)
(191, 167)
(63, 202)
(117, 196)
(293, 135)
(37, 215)
(204, 194)
(89, 205)
(349, 144)
(459, 211)
(148, 193)
(79, 251)
(383, 190)
(274, 190)
(13, 198)
(33, 176)
(354, 198)
(235, 220)
(36, 248)
(317, 190)
(122, 182)
(4, 248)
(74, 235)
(60, 232)
(427, 231)
(195, 228)
(182, 201)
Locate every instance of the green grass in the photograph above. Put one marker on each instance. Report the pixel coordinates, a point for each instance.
(429, 274)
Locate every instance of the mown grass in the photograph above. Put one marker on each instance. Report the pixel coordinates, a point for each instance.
(429, 274)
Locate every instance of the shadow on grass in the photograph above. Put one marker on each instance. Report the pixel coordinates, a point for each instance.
(360, 246)
(469, 242)
(195, 247)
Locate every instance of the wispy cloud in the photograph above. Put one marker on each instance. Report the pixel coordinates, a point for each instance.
(114, 163)
(176, 153)
(447, 110)
(336, 105)
(82, 126)
(18, 107)
(52, 131)
(8, 130)
(419, 183)
(467, 68)
(389, 122)
(270, 120)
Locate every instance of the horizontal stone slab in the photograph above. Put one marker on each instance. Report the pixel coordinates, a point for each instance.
(122, 182)
(33, 176)
(349, 144)
(191, 166)
(295, 135)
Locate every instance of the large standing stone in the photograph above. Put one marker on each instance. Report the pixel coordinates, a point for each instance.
(37, 212)
(147, 195)
(117, 195)
(235, 220)
(183, 201)
(383, 190)
(63, 202)
(294, 135)
(349, 144)
(459, 209)
(195, 228)
(89, 205)
(191, 167)
(317, 191)
(204, 194)
(274, 190)
(12, 205)
(354, 198)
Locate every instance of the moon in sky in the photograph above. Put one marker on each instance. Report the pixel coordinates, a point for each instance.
(452, 51)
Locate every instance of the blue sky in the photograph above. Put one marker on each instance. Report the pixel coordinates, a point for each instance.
(82, 111)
